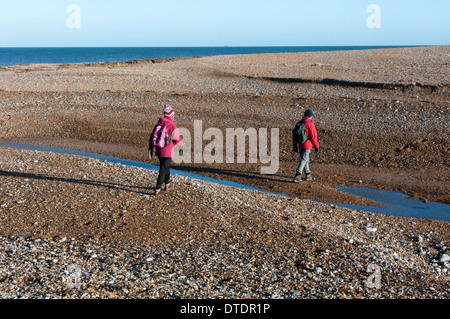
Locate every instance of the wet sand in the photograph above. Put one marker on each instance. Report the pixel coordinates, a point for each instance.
(382, 118)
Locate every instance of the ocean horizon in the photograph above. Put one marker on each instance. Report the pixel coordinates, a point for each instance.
(64, 55)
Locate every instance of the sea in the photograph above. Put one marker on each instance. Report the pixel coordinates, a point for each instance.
(47, 55)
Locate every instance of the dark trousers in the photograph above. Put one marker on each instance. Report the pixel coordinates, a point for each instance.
(164, 172)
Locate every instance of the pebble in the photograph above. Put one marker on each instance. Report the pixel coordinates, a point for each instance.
(444, 258)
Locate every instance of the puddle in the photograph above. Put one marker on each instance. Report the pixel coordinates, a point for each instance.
(126, 162)
(397, 204)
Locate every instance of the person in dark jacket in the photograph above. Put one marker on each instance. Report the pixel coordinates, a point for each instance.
(305, 148)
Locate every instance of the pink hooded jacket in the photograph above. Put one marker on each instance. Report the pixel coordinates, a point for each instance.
(167, 151)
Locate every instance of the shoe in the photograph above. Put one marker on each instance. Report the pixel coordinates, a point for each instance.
(169, 187)
(297, 178)
(308, 177)
(159, 192)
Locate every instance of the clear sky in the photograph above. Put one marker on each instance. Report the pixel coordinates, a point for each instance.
(49, 23)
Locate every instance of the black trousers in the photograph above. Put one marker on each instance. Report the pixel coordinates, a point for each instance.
(164, 172)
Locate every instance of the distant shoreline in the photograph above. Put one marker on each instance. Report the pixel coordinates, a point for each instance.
(10, 56)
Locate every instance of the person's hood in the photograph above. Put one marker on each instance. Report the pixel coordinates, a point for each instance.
(165, 120)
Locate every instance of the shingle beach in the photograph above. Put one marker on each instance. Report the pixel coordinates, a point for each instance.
(76, 227)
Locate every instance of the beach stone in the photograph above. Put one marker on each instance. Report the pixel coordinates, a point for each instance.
(444, 258)
(318, 270)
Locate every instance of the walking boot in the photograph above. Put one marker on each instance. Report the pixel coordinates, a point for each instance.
(298, 178)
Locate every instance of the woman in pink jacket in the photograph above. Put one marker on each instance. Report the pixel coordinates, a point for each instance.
(166, 152)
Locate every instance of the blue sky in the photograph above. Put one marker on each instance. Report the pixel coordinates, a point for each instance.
(43, 23)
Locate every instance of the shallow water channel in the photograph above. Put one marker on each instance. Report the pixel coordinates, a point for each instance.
(396, 204)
